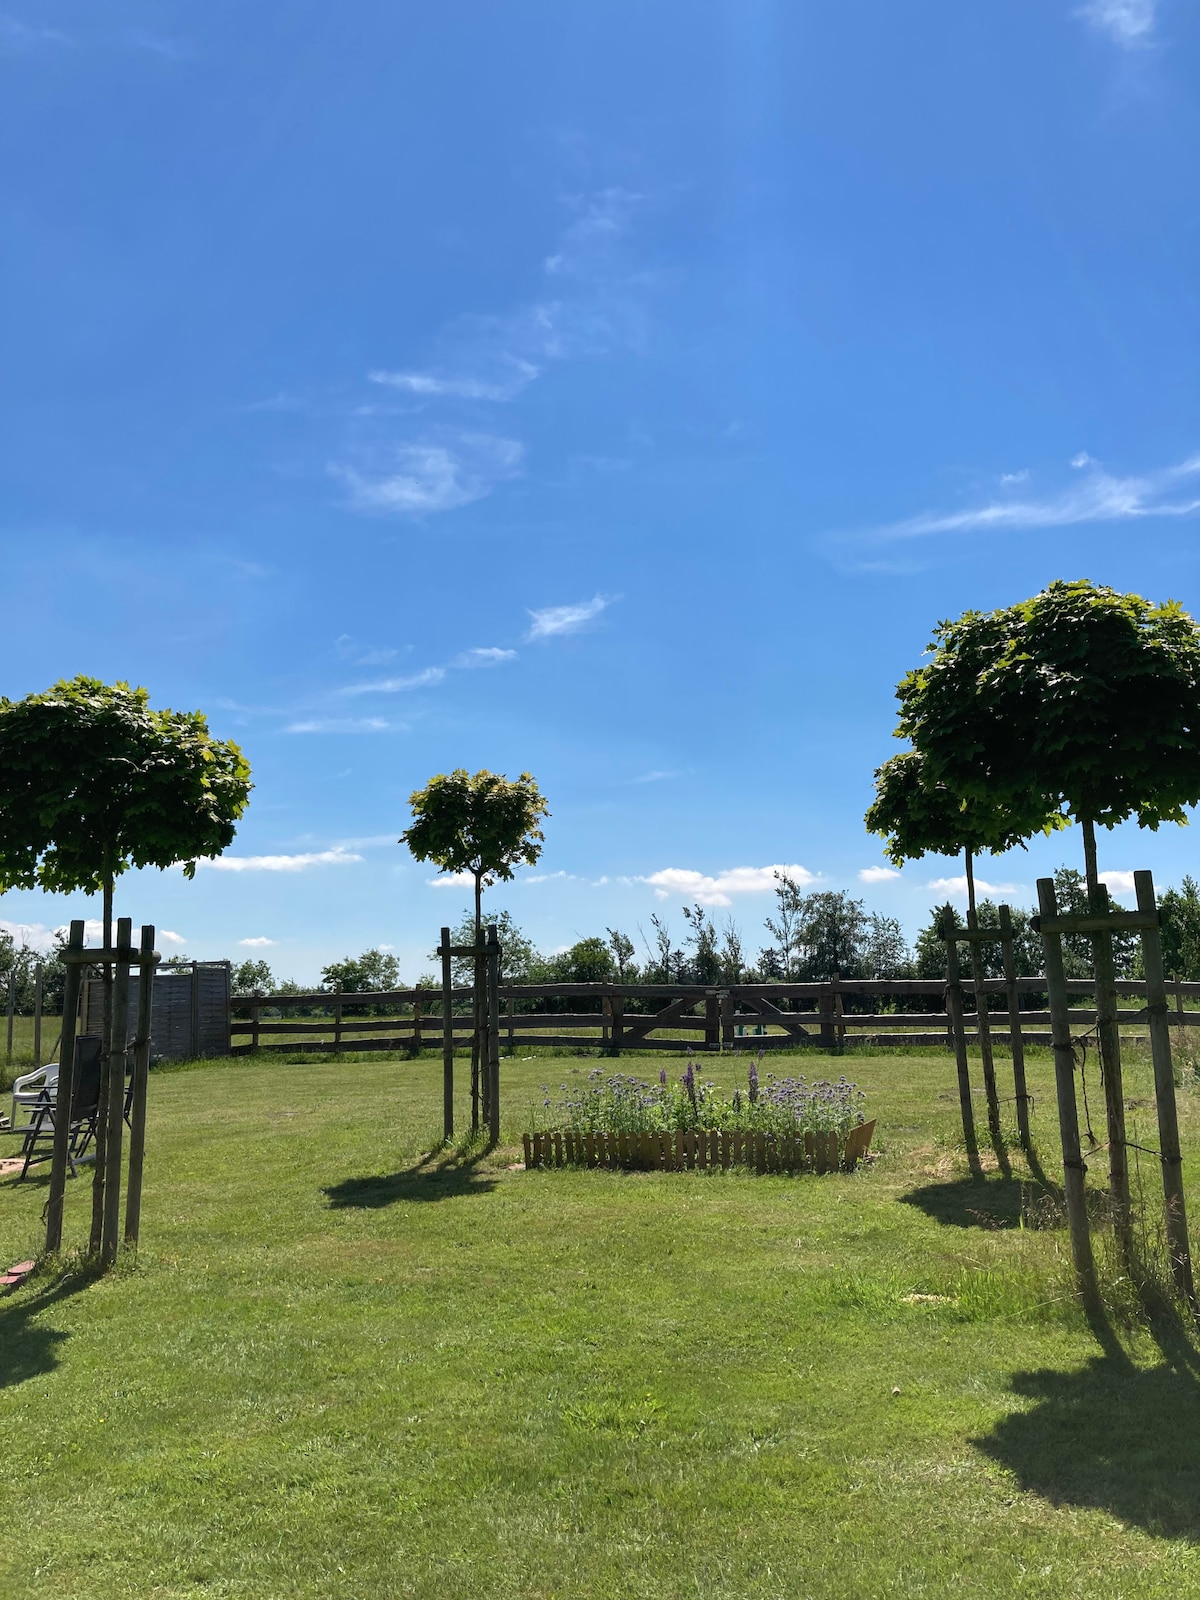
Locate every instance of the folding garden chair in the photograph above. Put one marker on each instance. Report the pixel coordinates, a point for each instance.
(38, 1142)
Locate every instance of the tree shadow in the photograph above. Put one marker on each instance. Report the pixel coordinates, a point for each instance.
(976, 1202)
(27, 1348)
(1113, 1436)
(448, 1178)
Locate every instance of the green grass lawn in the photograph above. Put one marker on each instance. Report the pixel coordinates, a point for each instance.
(344, 1367)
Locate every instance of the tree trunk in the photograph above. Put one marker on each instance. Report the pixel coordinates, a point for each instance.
(101, 1140)
(476, 1009)
(1089, 854)
(969, 859)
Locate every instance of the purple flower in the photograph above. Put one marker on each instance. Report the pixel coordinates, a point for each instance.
(754, 1081)
(662, 1076)
(689, 1082)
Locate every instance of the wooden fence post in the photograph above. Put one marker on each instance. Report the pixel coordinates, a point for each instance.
(618, 1023)
(1164, 1093)
(147, 961)
(37, 1016)
(828, 1033)
(985, 1034)
(1109, 1035)
(1016, 1040)
(337, 1022)
(493, 1034)
(255, 1020)
(447, 1039)
(10, 1011)
(712, 1022)
(954, 1010)
(415, 1047)
(194, 1013)
(66, 1084)
(1074, 1166)
(118, 1055)
(838, 1013)
(727, 1023)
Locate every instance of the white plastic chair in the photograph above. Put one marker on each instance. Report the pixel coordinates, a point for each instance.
(29, 1089)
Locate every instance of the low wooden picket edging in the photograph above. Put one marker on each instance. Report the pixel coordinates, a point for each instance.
(704, 1149)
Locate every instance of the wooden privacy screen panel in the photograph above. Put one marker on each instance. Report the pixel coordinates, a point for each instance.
(703, 1149)
(190, 1015)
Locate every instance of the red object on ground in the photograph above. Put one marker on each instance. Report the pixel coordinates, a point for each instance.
(23, 1266)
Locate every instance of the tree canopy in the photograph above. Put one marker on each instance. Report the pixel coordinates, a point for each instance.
(916, 815)
(94, 781)
(1080, 699)
(481, 823)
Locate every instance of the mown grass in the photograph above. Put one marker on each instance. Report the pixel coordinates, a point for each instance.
(346, 1364)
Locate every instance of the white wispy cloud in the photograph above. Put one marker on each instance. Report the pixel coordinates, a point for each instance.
(256, 944)
(719, 890)
(19, 38)
(412, 680)
(521, 374)
(483, 656)
(590, 302)
(655, 776)
(958, 886)
(341, 725)
(422, 478)
(878, 875)
(553, 620)
(298, 863)
(160, 45)
(452, 880)
(167, 937)
(1095, 496)
(1129, 23)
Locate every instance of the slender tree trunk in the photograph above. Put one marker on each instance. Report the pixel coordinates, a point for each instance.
(99, 1170)
(476, 1009)
(1089, 855)
(969, 859)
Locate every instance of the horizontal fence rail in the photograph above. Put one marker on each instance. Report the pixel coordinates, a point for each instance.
(615, 1018)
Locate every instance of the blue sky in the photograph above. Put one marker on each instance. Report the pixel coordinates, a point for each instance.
(615, 391)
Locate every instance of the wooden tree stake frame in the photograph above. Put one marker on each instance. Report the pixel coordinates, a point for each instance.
(110, 1114)
(1102, 922)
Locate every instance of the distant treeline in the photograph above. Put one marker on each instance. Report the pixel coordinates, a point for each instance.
(810, 937)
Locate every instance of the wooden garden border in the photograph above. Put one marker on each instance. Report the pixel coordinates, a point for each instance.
(700, 1150)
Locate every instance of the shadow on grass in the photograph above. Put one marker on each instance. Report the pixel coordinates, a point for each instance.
(436, 1178)
(974, 1202)
(28, 1349)
(1115, 1437)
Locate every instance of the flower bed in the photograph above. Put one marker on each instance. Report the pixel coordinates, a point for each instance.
(702, 1148)
(776, 1125)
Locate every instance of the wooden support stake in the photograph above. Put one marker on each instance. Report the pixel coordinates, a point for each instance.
(447, 1039)
(1164, 1094)
(1109, 1035)
(954, 1010)
(118, 1055)
(147, 961)
(1074, 1166)
(493, 1034)
(37, 1016)
(975, 952)
(1016, 1041)
(62, 1103)
(12, 997)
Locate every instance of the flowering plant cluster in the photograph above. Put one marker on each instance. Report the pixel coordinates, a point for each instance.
(617, 1103)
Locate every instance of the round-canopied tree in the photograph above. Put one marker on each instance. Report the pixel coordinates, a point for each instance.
(918, 816)
(1080, 700)
(94, 781)
(482, 823)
